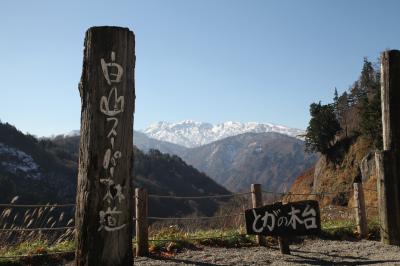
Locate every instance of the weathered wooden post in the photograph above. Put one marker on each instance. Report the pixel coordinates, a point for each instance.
(142, 233)
(361, 217)
(104, 208)
(283, 240)
(257, 201)
(284, 245)
(387, 161)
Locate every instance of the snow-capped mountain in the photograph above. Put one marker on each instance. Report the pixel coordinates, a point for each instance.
(191, 134)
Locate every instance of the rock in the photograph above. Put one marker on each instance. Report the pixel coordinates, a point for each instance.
(319, 168)
(367, 166)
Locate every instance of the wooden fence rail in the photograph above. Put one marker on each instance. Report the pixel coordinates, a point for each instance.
(142, 218)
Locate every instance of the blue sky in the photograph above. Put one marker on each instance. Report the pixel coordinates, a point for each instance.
(205, 60)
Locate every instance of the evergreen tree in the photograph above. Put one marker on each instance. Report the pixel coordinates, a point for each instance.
(352, 96)
(336, 103)
(322, 128)
(367, 82)
(371, 121)
(370, 107)
(342, 110)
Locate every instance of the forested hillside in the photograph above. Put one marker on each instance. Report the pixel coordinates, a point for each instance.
(346, 132)
(45, 170)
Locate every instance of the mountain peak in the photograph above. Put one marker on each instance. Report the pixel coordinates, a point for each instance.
(191, 133)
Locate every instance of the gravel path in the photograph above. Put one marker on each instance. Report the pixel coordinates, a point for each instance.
(310, 252)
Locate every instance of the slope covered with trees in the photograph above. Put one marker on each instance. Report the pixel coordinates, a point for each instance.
(355, 113)
(346, 132)
(45, 170)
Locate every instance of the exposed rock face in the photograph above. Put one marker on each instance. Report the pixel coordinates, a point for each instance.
(335, 177)
(368, 167)
(318, 170)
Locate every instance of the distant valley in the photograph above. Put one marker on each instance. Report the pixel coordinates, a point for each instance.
(234, 154)
(262, 153)
(271, 159)
(44, 170)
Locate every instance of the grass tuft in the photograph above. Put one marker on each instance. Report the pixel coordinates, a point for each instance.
(32, 250)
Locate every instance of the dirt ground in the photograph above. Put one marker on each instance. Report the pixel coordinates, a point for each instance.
(310, 252)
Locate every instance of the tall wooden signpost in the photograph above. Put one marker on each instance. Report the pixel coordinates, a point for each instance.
(104, 195)
(388, 161)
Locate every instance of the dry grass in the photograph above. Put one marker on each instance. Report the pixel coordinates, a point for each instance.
(14, 241)
(170, 235)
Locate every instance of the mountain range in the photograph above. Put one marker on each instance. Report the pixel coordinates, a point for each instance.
(271, 159)
(192, 134)
(233, 154)
(262, 153)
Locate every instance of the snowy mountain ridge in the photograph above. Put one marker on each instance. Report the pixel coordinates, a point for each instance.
(191, 134)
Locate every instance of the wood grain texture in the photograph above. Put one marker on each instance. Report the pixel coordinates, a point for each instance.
(361, 217)
(387, 161)
(257, 201)
(142, 230)
(390, 96)
(96, 246)
(284, 245)
(389, 205)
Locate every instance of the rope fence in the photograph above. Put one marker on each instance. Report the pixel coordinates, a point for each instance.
(154, 218)
(350, 210)
(305, 194)
(199, 197)
(10, 205)
(36, 229)
(195, 218)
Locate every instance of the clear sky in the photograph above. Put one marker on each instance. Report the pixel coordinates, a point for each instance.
(204, 60)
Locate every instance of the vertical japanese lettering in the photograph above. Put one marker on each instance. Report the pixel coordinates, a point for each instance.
(111, 106)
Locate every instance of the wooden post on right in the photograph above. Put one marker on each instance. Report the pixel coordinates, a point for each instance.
(388, 160)
(142, 234)
(361, 217)
(256, 199)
